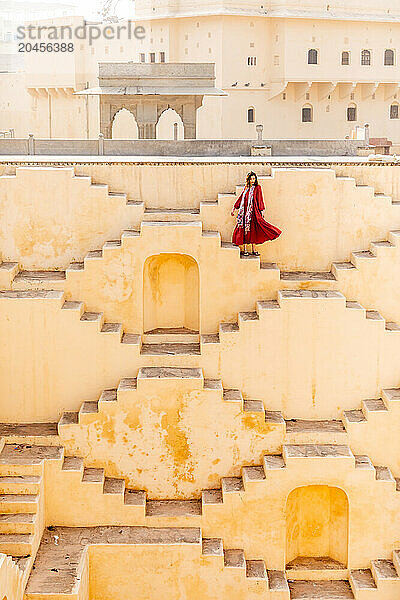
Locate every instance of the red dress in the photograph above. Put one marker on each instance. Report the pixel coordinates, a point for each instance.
(260, 230)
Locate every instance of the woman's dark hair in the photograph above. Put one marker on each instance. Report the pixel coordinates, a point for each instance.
(249, 176)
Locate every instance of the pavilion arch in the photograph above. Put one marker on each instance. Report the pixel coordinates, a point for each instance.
(124, 125)
(171, 292)
(165, 125)
(317, 524)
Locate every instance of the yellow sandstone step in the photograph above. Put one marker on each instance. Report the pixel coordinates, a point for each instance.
(323, 590)
(17, 523)
(16, 544)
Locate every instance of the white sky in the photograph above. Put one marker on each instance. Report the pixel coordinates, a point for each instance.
(90, 8)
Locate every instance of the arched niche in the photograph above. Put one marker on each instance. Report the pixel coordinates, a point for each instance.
(317, 521)
(124, 126)
(165, 126)
(171, 292)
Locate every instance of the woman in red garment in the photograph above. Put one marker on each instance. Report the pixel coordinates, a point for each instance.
(251, 228)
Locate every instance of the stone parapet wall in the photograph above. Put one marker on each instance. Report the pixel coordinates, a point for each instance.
(181, 148)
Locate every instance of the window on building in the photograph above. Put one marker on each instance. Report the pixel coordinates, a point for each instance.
(352, 113)
(162, 57)
(250, 115)
(366, 58)
(276, 60)
(352, 96)
(307, 95)
(394, 111)
(142, 58)
(389, 58)
(307, 114)
(252, 61)
(284, 96)
(313, 57)
(345, 58)
(152, 57)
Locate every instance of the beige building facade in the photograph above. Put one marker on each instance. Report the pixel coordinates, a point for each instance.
(303, 70)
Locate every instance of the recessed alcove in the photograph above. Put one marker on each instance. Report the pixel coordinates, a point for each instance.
(171, 294)
(316, 529)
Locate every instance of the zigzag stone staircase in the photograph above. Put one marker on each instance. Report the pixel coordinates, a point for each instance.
(22, 503)
(50, 576)
(54, 575)
(32, 454)
(351, 278)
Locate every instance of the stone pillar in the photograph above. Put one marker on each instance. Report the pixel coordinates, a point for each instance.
(101, 145)
(31, 144)
(366, 126)
(147, 131)
(188, 115)
(147, 118)
(105, 118)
